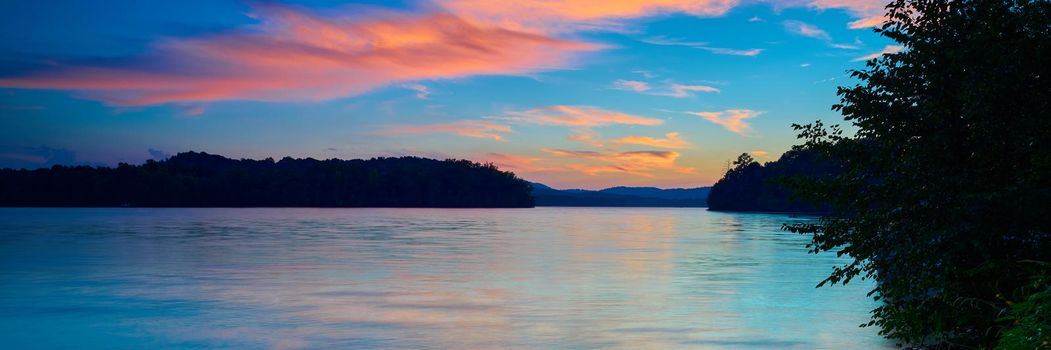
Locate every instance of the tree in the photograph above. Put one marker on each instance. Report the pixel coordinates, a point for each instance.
(942, 194)
(743, 161)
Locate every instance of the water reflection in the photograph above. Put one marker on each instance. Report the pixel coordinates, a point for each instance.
(549, 278)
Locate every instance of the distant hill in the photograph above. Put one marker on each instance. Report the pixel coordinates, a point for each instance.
(621, 197)
(193, 179)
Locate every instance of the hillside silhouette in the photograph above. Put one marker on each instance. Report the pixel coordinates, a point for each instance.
(621, 197)
(196, 179)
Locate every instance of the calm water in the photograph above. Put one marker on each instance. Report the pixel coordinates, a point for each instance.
(546, 278)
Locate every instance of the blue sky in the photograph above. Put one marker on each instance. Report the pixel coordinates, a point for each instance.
(581, 94)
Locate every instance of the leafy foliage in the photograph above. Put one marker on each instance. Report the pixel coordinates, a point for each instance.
(203, 180)
(943, 193)
(1030, 319)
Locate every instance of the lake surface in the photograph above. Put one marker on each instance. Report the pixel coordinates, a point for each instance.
(544, 278)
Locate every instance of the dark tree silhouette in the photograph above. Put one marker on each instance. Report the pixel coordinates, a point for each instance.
(942, 195)
(194, 179)
(750, 186)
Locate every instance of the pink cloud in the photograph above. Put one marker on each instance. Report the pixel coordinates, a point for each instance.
(294, 55)
(731, 119)
(468, 128)
(580, 116)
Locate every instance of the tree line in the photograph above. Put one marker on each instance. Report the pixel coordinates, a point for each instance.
(195, 179)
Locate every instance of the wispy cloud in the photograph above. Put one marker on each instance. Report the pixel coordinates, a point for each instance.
(670, 89)
(631, 85)
(663, 41)
(577, 116)
(644, 73)
(731, 119)
(468, 128)
(889, 49)
(812, 31)
(733, 52)
(671, 140)
(294, 55)
(422, 92)
(679, 90)
(806, 29)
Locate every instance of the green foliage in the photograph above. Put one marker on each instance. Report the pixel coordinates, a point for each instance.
(204, 180)
(1029, 320)
(942, 194)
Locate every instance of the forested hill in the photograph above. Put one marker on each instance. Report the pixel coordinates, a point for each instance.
(750, 186)
(621, 197)
(195, 179)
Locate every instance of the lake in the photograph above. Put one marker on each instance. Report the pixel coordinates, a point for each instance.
(544, 278)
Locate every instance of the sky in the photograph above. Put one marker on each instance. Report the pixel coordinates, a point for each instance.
(573, 93)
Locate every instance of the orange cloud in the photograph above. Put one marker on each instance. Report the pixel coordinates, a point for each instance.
(731, 119)
(516, 163)
(565, 15)
(469, 128)
(671, 140)
(581, 116)
(293, 55)
(586, 136)
(636, 162)
(868, 22)
(889, 49)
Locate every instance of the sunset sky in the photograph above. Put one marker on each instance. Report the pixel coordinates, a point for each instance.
(573, 94)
